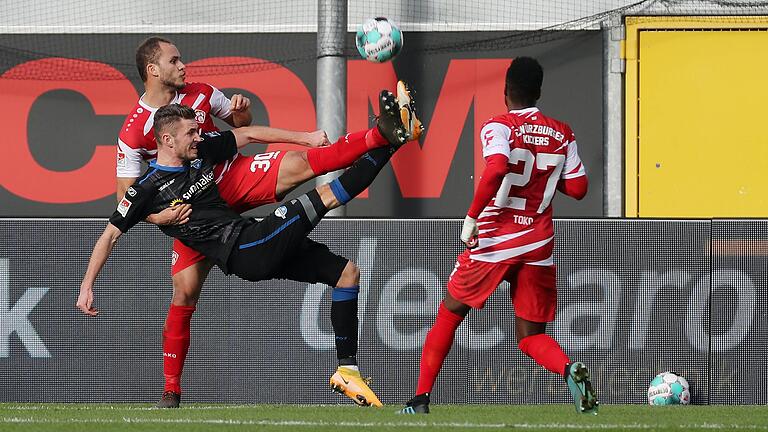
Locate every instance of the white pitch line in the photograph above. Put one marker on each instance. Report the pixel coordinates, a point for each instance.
(122, 407)
(295, 423)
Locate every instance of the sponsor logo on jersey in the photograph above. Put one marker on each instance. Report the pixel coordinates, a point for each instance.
(196, 163)
(120, 159)
(488, 137)
(199, 185)
(131, 192)
(166, 184)
(281, 212)
(176, 202)
(174, 258)
(123, 207)
(200, 116)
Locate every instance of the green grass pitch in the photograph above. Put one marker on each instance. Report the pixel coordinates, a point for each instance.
(197, 417)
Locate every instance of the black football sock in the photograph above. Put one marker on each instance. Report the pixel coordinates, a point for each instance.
(361, 174)
(345, 323)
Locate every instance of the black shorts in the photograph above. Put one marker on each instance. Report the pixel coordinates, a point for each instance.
(277, 247)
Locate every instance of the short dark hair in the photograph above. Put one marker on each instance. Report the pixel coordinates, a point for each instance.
(524, 78)
(168, 115)
(148, 52)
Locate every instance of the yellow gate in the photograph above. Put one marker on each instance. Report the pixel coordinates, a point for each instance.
(696, 117)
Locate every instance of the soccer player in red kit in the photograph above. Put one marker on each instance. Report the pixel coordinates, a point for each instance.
(509, 236)
(244, 182)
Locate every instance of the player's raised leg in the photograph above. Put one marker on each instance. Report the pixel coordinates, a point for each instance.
(299, 166)
(361, 174)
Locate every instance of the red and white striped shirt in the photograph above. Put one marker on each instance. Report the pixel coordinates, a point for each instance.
(136, 141)
(516, 226)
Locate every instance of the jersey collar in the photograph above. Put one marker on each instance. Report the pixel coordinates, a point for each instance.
(145, 105)
(151, 108)
(528, 110)
(155, 165)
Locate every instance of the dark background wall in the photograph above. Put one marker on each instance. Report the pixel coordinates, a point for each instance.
(67, 123)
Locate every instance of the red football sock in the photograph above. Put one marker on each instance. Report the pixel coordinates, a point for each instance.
(344, 152)
(545, 351)
(175, 345)
(436, 347)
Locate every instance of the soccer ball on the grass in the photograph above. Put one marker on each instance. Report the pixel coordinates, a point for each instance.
(669, 388)
(379, 40)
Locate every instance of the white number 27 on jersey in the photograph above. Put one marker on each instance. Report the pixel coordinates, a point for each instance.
(542, 161)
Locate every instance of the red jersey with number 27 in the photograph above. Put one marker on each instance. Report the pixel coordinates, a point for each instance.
(516, 226)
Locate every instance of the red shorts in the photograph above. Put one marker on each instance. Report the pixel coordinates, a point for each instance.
(533, 288)
(245, 182)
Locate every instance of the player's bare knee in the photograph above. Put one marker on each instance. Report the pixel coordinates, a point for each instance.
(184, 299)
(525, 328)
(350, 276)
(456, 306)
(327, 196)
(186, 290)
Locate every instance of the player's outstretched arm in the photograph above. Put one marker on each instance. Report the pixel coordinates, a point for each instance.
(101, 252)
(268, 135)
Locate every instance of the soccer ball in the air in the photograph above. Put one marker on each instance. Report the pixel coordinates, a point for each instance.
(379, 40)
(669, 388)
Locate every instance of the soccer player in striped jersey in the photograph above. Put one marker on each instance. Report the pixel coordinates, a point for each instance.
(509, 236)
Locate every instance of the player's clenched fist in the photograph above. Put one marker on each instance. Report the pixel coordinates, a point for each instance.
(239, 103)
(176, 215)
(317, 138)
(469, 232)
